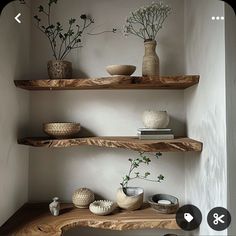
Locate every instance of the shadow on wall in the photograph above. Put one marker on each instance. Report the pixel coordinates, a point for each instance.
(178, 126)
(102, 232)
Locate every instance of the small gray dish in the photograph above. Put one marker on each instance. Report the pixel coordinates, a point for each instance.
(163, 208)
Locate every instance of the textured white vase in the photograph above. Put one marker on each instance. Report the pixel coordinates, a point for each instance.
(155, 119)
(83, 197)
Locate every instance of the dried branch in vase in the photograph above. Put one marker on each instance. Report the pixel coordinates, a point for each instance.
(146, 22)
(62, 41)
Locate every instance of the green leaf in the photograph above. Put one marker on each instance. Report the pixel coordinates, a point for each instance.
(70, 32)
(37, 18)
(158, 155)
(51, 2)
(147, 174)
(160, 178)
(83, 17)
(72, 21)
(41, 8)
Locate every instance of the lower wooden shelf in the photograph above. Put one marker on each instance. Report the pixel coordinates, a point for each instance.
(133, 143)
(35, 219)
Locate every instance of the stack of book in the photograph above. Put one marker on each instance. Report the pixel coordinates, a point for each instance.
(148, 134)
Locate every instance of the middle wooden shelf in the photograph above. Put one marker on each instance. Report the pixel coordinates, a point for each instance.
(132, 143)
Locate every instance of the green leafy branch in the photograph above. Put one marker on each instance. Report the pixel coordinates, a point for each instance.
(134, 174)
(61, 42)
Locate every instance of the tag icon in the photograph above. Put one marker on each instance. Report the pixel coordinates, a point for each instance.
(188, 217)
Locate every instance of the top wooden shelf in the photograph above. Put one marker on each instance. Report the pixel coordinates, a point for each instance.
(35, 219)
(114, 82)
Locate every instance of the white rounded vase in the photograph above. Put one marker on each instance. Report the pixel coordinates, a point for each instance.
(155, 119)
(130, 198)
(82, 198)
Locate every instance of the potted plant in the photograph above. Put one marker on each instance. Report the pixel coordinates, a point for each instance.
(145, 23)
(131, 198)
(62, 42)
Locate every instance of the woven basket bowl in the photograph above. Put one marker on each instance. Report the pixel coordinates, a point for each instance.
(61, 130)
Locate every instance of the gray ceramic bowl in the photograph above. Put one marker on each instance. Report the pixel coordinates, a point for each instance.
(162, 208)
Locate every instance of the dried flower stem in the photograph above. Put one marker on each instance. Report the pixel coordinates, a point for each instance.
(147, 21)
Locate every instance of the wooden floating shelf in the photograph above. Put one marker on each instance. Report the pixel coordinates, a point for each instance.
(133, 143)
(35, 219)
(116, 82)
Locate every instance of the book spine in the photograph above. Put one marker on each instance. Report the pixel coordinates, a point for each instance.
(154, 132)
(156, 137)
(160, 130)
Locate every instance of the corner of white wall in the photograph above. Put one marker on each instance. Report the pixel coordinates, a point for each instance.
(14, 106)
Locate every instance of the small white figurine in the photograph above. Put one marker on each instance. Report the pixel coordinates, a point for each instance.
(54, 206)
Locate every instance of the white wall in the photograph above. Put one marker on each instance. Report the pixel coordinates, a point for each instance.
(14, 107)
(61, 171)
(206, 174)
(58, 172)
(230, 42)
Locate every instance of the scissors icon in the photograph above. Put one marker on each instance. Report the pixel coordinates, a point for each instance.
(218, 219)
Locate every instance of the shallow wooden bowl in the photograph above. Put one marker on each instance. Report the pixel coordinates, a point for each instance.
(61, 130)
(126, 70)
(163, 208)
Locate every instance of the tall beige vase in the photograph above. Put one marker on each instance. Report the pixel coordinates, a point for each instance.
(150, 59)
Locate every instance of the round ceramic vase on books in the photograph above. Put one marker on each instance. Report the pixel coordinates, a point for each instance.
(155, 119)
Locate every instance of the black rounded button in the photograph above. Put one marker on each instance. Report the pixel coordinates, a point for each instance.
(188, 217)
(219, 218)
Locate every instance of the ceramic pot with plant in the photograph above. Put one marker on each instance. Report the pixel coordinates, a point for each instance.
(131, 198)
(145, 23)
(62, 41)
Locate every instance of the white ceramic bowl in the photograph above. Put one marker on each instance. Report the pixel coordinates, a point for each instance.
(121, 70)
(102, 207)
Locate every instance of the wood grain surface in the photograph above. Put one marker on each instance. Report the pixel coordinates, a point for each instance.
(36, 220)
(115, 82)
(133, 143)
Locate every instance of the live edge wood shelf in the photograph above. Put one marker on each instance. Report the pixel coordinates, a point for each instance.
(132, 143)
(115, 82)
(35, 220)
